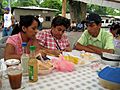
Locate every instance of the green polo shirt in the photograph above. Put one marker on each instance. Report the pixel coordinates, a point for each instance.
(104, 40)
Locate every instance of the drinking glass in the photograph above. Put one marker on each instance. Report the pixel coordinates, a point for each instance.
(15, 76)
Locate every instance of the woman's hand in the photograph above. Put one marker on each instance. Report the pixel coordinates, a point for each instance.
(42, 52)
(53, 52)
(68, 49)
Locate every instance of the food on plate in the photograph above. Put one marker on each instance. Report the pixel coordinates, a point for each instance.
(81, 62)
(87, 56)
(44, 65)
(73, 59)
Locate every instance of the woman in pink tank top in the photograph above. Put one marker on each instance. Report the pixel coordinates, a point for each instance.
(24, 32)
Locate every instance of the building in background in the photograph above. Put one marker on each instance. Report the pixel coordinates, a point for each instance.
(47, 13)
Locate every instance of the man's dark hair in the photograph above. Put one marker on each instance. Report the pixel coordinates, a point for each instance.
(59, 20)
(93, 18)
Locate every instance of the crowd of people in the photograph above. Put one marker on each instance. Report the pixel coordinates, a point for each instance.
(54, 40)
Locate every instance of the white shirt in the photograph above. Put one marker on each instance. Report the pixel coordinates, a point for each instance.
(7, 20)
(41, 19)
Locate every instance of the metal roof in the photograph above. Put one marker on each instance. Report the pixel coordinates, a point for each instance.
(106, 3)
(36, 8)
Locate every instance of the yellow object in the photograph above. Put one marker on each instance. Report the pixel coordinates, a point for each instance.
(87, 56)
(44, 65)
(32, 66)
(75, 60)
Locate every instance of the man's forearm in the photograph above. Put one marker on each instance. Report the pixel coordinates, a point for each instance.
(99, 50)
(85, 48)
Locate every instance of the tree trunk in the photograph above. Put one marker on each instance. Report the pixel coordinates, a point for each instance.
(64, 8)
(78, 10)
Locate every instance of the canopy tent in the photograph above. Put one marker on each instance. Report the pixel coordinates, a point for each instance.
(106, 3)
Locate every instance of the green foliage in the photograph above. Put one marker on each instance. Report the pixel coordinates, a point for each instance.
(111, 11)
(103, 10)
(67, 6)
(17, 3)
(25, 3)
(4, 3)
(57, 4)
(54, 4)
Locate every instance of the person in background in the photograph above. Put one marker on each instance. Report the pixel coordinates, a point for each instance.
(73, 26)
(25, 32)
(80, 26)
(40, 26)
(115, 30)
(54, 40)
(95, 39)
(7, 23)
(13, 21)
(41, 19)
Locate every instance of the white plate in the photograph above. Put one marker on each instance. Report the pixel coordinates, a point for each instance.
(82, 63)
(44, 72)
(93, 57)
(73, 53)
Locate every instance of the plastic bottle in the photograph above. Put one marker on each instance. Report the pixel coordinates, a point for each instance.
(32, 66)
(24, 59)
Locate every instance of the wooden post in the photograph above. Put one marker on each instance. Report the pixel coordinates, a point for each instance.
(64, 8)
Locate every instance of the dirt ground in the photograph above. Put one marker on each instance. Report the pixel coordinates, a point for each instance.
(73, 37)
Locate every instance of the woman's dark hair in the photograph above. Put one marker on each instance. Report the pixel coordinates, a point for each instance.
(59, 20)
(25, 21)
(115, 26)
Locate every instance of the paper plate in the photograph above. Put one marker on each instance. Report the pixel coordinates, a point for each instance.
(46, 71)
(90, 56)
(82, 63)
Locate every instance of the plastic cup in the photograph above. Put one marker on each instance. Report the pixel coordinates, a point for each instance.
(15, 76)
(11, 62)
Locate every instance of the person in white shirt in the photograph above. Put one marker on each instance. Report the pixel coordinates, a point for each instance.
(41, 19)
(7, 23)
(73, 26)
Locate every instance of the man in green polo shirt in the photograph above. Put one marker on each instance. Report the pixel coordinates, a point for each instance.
(95, 39)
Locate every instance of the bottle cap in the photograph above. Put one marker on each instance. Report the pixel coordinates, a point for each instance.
(32, 48)
(24, 44)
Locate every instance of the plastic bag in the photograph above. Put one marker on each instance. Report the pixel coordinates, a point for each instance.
(62, 65)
